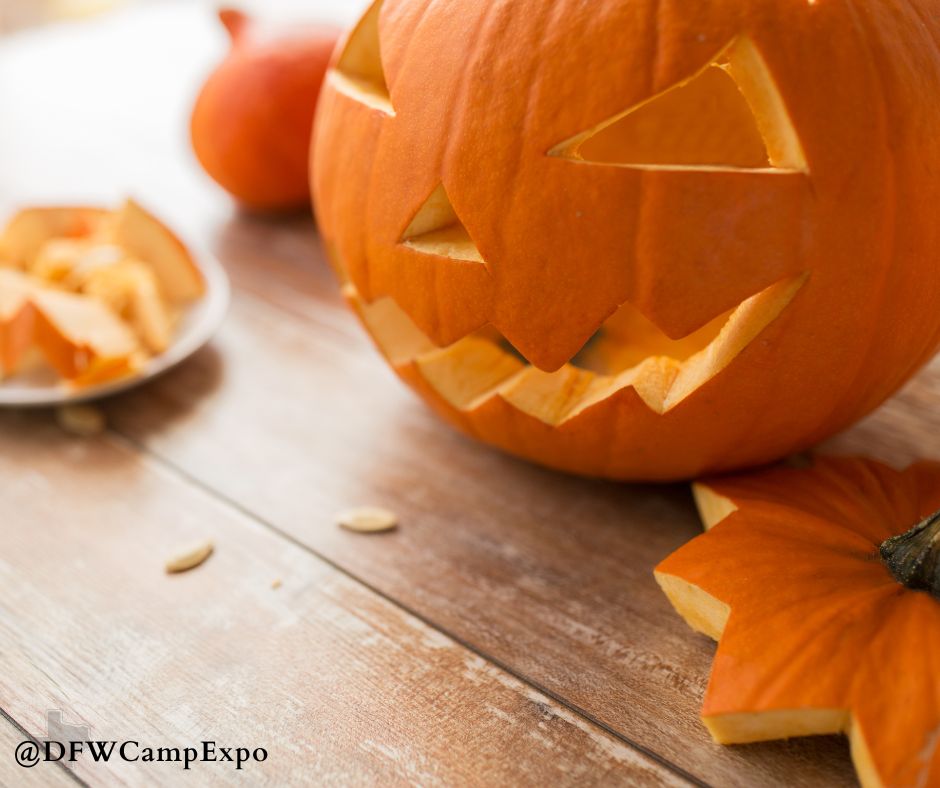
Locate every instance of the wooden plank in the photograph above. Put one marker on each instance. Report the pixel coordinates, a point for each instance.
(38, 776)
(903, 430)
(337, 684)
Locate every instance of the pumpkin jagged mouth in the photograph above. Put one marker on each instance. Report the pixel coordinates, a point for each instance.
(628, 351)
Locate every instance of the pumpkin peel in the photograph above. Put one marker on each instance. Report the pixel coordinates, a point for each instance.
(81, 338)
(31, 228)
(821, 637)
(17, 319)
(94, 292)
(146, 238)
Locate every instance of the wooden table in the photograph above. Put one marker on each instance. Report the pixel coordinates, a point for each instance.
(509, 633)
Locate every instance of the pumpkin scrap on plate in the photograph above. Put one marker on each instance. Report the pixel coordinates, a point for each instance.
(89, 292)
(822, 586)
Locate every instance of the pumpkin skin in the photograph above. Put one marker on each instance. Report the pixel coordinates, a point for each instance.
(252, 121)
(815, 634)
(485, 236)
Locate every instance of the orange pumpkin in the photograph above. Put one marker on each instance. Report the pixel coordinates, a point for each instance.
(826, 608)
(252, 121)
(634, 239)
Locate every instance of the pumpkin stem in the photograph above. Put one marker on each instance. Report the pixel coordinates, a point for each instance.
(235, 22)
(914, 557)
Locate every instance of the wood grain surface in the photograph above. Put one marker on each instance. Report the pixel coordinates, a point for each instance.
(12, 734)
(509, 632)
(331, 679)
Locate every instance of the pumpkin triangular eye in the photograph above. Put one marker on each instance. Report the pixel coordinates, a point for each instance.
(436, 229)
(359, 71)
(730, 115)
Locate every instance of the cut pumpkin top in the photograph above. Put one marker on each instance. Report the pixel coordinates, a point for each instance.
(816, 635)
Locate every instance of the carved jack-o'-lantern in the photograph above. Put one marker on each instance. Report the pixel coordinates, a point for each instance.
(640, 239)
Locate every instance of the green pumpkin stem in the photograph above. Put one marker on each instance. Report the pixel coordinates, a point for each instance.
(914, 557)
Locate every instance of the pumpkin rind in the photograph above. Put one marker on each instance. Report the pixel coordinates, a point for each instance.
(820, 637)
(479, 95)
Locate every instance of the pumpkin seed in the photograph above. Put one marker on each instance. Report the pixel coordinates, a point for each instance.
(84, 421)
(190, 557)
(367, 519)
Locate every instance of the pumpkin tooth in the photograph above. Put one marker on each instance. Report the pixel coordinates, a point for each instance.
(651, 380)
(548, 396)
(469, 371)
(396, 334)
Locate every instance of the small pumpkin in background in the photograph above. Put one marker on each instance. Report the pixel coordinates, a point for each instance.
(822, 586)
(252, 121)
(644, 240)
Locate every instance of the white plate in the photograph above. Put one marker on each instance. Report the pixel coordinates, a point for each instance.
(196, 327)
